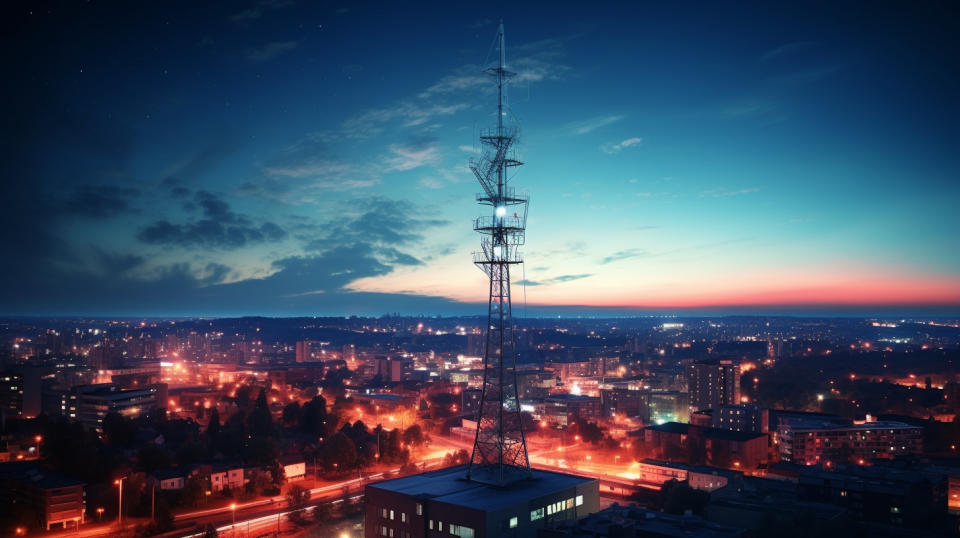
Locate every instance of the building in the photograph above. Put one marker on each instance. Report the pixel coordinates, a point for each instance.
(713, 383)
(49, 498)
(226, 477)
(675, 441)
(739, 418)
(93, 402)
(443, 503)
(666, 406)
(813, 441)
(170, 479)
(631, 521)
(624, 402)
(697, 476)
(564, 409)
(294, 468)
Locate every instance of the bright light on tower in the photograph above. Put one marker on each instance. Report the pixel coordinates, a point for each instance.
(501, 211)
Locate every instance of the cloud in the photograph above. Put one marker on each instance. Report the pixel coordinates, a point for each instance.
(270, 51)
(410, 156)
(786, 49)
(555, 280)
(616, 148)
(625, 254)
(723, 193)
(100, 201)
(247, 16)
(220, 228)
(372, 122)
(592, 124)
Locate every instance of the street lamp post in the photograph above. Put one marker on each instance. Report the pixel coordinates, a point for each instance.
(99, 514)
(119, 482)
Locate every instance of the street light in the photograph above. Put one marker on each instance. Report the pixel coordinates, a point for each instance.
(119, 482)
(233, 512)
(21, 531)
(99, 514)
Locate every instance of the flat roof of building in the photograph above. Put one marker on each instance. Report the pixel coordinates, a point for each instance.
(450, 486)
(36, 475)
(805, 424)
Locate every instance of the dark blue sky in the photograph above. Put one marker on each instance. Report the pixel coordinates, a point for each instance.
(290, 158)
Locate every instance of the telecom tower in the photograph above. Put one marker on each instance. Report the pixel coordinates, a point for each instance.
(499, 449)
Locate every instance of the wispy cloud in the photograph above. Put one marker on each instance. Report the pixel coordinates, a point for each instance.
(723, 193)
(469, 149)
(270, 51)
(786, 49)
(592, 124)
(247, 16)
(372, 122)
(555, 280)
(408, 157)
(616, 148)
(625, 254)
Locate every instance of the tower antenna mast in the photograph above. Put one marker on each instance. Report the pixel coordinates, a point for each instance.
(499, 454)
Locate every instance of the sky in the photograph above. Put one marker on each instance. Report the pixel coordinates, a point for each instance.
(282, 157)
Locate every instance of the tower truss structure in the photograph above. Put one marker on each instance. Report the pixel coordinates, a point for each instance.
(499, 450)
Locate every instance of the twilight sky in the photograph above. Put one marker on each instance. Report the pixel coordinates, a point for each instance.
(291, 158)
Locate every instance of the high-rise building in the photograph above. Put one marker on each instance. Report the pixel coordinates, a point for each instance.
(713, 383)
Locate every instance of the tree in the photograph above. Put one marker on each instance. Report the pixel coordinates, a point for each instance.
(291, 414)
(459, 457)
(413, 436)
(297, 497)
(678, 497)
(152, 457)
(339, 450)
(194, 492)
(313, 417)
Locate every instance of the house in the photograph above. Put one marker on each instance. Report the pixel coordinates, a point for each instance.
(226, 477)
(170, 479)
(294, 467)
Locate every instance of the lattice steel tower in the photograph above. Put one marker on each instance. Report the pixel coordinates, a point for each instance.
(499, 449)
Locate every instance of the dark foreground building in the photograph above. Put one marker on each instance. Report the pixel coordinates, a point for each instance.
(443, 503)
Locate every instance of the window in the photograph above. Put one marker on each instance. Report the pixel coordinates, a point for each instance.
(383, 530)
(569, 504)
(431, 524)
(440, 525)
(536, 514)
(391, 514)
(419, 509)
(579, 500)
(461, 531)
(513, 522)
(391, 533)
(403, 517)
(383, 512)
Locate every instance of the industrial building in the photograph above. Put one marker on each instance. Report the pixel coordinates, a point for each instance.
(444, 503)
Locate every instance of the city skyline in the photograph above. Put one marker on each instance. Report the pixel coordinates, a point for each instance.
(285, 160)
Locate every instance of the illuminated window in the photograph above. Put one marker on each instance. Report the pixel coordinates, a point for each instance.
(579, 500)
(419, 509)
(536, 514)
(391, 514)
(403, 517)
(513, 522)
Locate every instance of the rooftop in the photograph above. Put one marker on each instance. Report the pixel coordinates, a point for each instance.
(450, 486)
(35, 475)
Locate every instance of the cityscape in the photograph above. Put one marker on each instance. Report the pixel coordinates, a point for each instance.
(285, 269)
